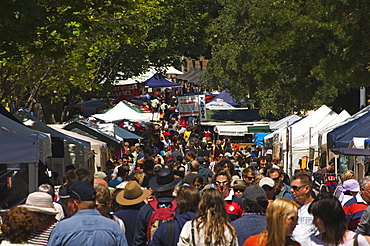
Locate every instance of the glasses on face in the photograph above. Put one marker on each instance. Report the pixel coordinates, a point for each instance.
(249, 178)
(238, 190)
(296, 188)
(366, 189)
(221, 182)
(125, 161)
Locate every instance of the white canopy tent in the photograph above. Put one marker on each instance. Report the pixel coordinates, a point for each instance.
(76, 151)
(99, 148)
(303, 136)
(284, 122)
(338, 121)
(121, 111)
(146, 75)
(219, 104)
(288, 120)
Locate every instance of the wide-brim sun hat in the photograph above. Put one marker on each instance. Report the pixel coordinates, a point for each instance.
(164, 180)
(132, 194)
(40, 202)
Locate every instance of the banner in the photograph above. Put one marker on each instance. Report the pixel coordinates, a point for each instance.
(188, 105)
(202, 108)
(194, 105)
(131, 90)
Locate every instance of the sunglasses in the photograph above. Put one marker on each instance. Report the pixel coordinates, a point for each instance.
(295, 187)
(249, 178)
(221, 182)
(239, 190)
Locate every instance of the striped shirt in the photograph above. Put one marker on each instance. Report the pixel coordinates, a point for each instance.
(41, 237)
(354, 209)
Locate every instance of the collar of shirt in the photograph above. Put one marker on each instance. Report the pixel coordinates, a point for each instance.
(230, 196)
(359, 198)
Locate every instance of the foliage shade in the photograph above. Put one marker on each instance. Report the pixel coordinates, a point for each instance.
(289, 55)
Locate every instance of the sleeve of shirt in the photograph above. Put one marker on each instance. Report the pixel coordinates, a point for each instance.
(53, 237)
(185, 234)
(363, 226)
(122, 241)
(362, 241)
(140, 229)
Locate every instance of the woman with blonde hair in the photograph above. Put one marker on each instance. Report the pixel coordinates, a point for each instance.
(211, 224)
(281, 218)
(349, 174)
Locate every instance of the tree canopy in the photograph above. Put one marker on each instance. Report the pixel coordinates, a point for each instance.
(57, 52)
(289, 55)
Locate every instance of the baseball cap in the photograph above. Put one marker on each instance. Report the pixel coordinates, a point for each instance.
(267, 181)
(253, 192)
(351, 185)
(82, 191)
(228, 154)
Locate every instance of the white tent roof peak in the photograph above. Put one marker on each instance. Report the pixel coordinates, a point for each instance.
(120, 112)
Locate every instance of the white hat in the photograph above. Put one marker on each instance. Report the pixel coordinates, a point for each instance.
(351, 185)
(267, 181)
(40, 202)
(228, 154)
(269, 152)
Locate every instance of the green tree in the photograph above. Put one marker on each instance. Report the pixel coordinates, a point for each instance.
(59, 52)
(289, 55)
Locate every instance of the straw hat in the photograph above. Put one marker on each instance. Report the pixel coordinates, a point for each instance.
(132, 194)
(40, 202)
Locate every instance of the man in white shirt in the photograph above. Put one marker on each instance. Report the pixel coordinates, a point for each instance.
(301, 189)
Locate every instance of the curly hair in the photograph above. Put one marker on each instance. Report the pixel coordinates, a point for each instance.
(103, 195)
(17, 225)
(212, 208)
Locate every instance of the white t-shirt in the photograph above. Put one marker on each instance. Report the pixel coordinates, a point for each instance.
(186, 238)
(304, 228)
(349, 241)
(346, 198)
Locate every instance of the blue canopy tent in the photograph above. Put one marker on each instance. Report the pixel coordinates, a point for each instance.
(225, 96)
(157, 81)
(351, 152)
(258, 138)
(357, 126)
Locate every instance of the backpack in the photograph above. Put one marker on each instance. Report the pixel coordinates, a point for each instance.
(160, 215)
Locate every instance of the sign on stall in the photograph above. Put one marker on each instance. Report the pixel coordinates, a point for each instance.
(194, 105)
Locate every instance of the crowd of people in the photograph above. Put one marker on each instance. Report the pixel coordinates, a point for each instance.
(177, 188)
